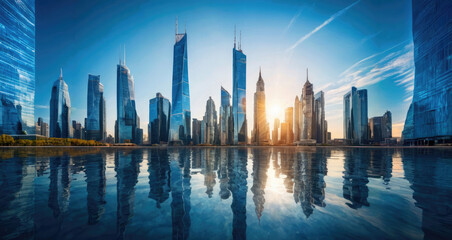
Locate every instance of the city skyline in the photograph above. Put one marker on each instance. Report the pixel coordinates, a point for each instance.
(293, 56)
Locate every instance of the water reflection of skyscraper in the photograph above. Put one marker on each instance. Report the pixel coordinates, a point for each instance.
(432, 190)
(180, 192)
(309, 172)
(17, 186)
(223, 174)
(127, 167)
(355, 188)
(287, 158)
(60, 186)
(381, 164)
(159, 175)
(209, 159)
(261, 160)
(238, 187)
(95, 186)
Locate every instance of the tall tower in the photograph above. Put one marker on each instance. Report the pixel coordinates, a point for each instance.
(239, 94)
(355, 116)
(60, 110)
(127, 121)
(308, 110)
(17, 66)
(96, 117)
(429, 117)
(180, 121)
(261, 134)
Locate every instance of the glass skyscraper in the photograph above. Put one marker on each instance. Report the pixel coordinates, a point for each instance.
(180, 128)
(355, 116)
(429, 116)
(127, 122)
(17, 66)
(239, 95)
(226, 120)
(60, 110)
(96, 120)
(159, 119)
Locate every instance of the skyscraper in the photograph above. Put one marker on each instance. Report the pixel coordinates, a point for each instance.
(127, 123)
(319, 109)
(386, 125)
(309, 130)
(180, 113)
(355, 116)
(17, 66)
(429, 116)
(210, 120)
(261, 131)
(96, 122)
(159, 119)
(275, 139)
(226, 127)
(289, 122)
(239, 94)
(60, 110)
(196, 134)
(380, 127)
(297, 119)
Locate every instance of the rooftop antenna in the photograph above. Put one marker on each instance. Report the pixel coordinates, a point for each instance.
(185, 28)
(176, 25)
(61, 73)
(307, 78)
(124, 54)
(240, 42)
(235, 35)
(119, 54)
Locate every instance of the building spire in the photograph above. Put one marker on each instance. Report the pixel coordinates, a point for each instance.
(240, 42)
(176, 26)
(61, 73)
(260, 75)
(235, 30)
(307, 78)
(124, 54)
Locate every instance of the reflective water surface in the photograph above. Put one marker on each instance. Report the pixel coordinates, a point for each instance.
(226, 193)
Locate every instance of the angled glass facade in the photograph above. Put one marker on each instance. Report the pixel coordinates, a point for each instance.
(226, 120)
(355, 116)
(96, 120)
(159, 119)
(239, 96)
(60, 110)
(17, 66)
(127, 122)
(180, 128)
(429, 117)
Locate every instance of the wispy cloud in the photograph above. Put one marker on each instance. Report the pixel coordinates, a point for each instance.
(292, 21)
(326, 22)
(42, 106)
(367, 38)
(395, 63)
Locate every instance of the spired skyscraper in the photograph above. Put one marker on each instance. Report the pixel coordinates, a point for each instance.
(96, 122)
(355, 116)
(17, 66)
(60, 110)
(180, 114)
(321, 125)
(307, 98)
(429, 116)
(127, 126)
(239, 94)
(261, 131)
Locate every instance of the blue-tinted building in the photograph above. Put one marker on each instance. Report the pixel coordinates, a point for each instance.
(159, 119)
(180, 128)
(60, 110)
(226, 120)
(17, 66)
(127, 126)
(239, 95)
(355, 116)
(429, 117)
(96, 121)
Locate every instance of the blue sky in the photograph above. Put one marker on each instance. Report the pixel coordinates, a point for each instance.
(367, 44)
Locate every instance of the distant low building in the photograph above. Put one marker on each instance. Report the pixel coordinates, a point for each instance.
(42, 128)
(77, 129)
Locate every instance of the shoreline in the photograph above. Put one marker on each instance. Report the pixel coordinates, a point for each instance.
(247, 146)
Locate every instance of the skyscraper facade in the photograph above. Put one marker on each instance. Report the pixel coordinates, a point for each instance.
(96, 122)
(261, 131)
(380, 128)
(210, 120)
(289, 122)
(275, 139)
(386, 125)
(297, 119)
(196, 134)
(239, 95)
(60, 110)
(319, 109)
(159, 119)
(355, 116)
(127, 122)
(226, 127)
(309, 126)
(180, 122)
(429, 116)
(17, 66)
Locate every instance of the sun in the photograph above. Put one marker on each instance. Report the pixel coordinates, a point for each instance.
(274, 111)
